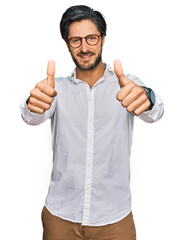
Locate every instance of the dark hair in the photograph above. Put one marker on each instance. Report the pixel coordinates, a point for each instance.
(79, 13)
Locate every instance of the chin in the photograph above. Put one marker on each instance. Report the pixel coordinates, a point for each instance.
(89, 66)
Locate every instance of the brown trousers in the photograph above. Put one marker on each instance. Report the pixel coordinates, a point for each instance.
(55, 228)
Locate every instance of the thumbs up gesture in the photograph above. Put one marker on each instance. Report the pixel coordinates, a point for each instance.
(133, 97)
(43, 94)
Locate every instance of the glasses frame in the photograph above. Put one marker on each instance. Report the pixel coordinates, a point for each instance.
(85, 39)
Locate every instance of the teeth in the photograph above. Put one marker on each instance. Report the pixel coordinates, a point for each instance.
(86, 56)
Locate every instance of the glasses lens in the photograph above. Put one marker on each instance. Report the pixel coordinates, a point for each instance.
(75, 42)
(92, 39)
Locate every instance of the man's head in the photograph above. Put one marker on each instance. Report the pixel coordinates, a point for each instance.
(84, 31)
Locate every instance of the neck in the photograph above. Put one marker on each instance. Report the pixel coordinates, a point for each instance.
(91, 76)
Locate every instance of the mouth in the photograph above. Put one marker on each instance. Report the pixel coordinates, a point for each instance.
(86, 55)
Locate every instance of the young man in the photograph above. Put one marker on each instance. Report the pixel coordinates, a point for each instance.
(92, 113)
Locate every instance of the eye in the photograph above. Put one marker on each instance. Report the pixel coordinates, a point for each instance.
(92, 38)
(75, 40)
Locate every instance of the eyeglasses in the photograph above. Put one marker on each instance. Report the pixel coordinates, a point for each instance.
(91, 40)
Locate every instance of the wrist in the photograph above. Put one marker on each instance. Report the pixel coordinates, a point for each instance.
(27, 101)
(151, 96)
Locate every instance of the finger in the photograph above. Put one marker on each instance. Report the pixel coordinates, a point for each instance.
(120, 74)
(136, 104)
(124, 92)
(142, 108)
(134, 95)
(39, 104)
(34, 109)
(47, 89)
(41, 96)
(50, 73)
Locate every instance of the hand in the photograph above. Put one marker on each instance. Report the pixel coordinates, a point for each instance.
(133, 97)
(43, 94)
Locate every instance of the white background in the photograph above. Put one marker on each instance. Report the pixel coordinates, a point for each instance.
(148, 37)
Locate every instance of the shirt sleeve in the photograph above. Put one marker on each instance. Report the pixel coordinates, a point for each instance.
(157, 110)
(32, 118)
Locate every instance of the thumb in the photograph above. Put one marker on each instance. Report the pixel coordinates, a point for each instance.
(120, 74)
(50, 73)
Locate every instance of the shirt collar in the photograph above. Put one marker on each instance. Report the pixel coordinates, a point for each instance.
(108, 70)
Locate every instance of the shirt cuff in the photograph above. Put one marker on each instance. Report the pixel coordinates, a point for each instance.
(25, 112)
(155, 113)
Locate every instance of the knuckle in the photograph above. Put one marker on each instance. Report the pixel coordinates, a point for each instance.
(124, 103)
(29, 106)
(144, 97)
(118, 95)
(129, 109)
(136, 89)
(35, 93)
(142, 90)
(136, 112)
(51, 100)
(31, 100)
(131, 84)
(38, 85)
(53, 92)
(41, 111)
(139, 90)
(47, 106)
(32, 92)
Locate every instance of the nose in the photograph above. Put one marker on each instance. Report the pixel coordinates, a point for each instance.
(84, 46)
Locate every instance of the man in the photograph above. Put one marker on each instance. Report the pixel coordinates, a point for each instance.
(92, 113)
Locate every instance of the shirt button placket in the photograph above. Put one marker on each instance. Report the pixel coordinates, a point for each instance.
(89, 159)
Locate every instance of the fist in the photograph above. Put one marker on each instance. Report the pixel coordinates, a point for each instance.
(133, 97)
(44, 92)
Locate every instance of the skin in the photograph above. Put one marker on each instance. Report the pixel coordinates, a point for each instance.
(132, 97)
(44, 92)
(82, 29)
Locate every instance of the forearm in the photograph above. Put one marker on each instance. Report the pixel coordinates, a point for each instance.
(32, 118)
(155, 113)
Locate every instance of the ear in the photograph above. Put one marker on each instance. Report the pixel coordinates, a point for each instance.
(103, 40)
(68, 47)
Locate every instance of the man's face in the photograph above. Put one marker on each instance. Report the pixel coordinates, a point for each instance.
(86, 57)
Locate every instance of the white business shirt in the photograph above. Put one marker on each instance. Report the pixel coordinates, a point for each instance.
(91, 143)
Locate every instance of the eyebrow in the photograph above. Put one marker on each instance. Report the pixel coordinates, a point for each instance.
(84, 36)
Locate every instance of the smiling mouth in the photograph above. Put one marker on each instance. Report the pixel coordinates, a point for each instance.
(86, 56)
